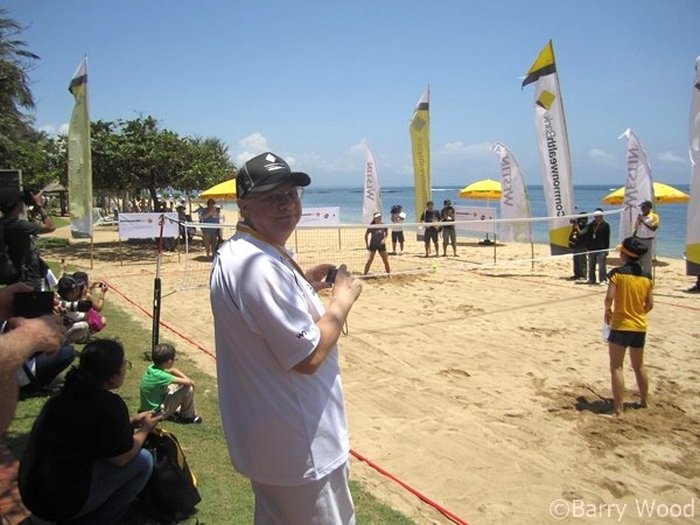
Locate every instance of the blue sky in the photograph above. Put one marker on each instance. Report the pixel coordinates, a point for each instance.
(310, 80)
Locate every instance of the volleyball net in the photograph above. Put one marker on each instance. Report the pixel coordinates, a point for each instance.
(479, 245)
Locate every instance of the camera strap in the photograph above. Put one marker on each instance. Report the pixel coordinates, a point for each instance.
(256, 234)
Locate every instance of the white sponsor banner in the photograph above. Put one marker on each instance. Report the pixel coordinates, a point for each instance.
(476, 215)
(639, 185)
(147, 225)
(514, 200)
(692, 230)
(329, 216)
(372, 201)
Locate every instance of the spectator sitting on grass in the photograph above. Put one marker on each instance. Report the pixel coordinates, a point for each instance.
(164, 384)
(95, 293)
(75, 321)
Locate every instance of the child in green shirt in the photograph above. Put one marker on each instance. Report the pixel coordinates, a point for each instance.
(163, 384)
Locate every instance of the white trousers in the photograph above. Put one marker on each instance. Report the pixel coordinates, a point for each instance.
(326, 501)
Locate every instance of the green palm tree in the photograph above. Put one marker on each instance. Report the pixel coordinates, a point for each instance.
(15, 93)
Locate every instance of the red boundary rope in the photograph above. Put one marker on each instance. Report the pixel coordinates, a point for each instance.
(442, 510)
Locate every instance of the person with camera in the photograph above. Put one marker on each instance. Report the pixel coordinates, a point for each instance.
(76, 311)
(20, 339)
(95, 293)
(645, 230)
(577, 242)
(280, 388)
(19, 235)
(598, 244)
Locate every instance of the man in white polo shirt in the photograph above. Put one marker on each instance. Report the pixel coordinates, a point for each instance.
(280, 392)
(645, 231)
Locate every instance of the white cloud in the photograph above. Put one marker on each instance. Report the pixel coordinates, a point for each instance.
(466, 151)
(670, 157)
(600, 156)
(54, 131)
(250, 146)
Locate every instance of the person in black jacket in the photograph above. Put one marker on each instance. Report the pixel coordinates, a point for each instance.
(84, 461)
(577, 242)
(19, 235)
(598, 244)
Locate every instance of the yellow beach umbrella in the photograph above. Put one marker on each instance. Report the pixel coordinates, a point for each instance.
(487, 189)
(663, 194)
(223, 191)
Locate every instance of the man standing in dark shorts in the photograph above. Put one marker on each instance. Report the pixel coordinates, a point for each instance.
(597, 242)
(398, 217)
(449, 235)
(431, 232)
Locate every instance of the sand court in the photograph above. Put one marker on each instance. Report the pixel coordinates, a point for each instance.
(482, 387)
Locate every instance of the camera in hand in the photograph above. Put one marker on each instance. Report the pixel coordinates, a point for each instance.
(32, 304)
(75, 306)
(330, 276)
(28, 196)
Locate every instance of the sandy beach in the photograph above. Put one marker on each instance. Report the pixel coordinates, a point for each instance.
(482, 387)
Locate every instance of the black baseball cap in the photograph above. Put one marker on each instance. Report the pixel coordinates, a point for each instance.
(265, 172)
(646, 204)
(633, 247)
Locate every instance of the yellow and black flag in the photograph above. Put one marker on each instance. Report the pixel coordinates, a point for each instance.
(553, 142)
(420, 148)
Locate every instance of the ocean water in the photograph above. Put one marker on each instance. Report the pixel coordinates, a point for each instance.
(671, 236)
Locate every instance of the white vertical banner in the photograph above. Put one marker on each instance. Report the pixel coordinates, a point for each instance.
(372, 195)
(515, 203)
(639, 185)
(80, 156)
(692, 231)
(553, 142)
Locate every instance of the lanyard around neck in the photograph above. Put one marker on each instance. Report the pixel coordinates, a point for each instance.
(283, 252)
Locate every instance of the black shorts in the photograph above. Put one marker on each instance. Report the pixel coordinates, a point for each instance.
(625, 339)
(375, 247)
(431, 234)
(397, 236)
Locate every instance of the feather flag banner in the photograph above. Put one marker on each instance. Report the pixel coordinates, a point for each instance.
(79, 156)
(372, 201)
(515, 203)
(692, 248)
(420, 142)
(639, 185)
(553, 143)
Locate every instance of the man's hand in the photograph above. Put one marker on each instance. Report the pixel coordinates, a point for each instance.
(317, 275)
(146, 420)
(347, 286)
(42, 334)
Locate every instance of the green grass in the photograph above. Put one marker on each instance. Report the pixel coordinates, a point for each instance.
(60, 221)
(226, 496)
